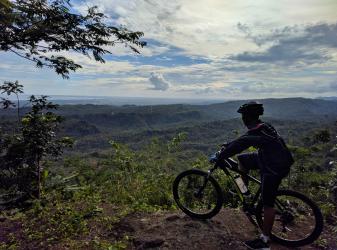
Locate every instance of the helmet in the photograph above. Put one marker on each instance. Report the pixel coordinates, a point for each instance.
(252, 107)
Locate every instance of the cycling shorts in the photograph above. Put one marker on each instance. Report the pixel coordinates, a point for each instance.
(269, 182)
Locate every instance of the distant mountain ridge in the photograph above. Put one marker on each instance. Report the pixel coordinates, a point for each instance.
(135, 119)
(286, 108)
(94, 125)
(130, 117)
(328, 98)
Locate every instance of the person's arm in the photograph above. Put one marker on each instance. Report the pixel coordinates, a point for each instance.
(241, 144)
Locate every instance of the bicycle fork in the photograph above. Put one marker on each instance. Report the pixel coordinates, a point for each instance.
(198, 194)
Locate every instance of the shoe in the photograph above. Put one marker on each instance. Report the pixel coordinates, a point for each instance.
(257, 244)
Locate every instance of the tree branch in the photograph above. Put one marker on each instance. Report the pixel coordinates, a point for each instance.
(28, 58)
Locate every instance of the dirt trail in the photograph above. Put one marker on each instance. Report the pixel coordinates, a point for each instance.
(163, 231)
(167, 230)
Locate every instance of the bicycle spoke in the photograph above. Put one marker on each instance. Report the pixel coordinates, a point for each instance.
(194, 196)
(294, 219)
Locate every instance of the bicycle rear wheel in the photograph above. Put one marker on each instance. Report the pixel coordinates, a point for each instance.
(298, 220)
(197, 194)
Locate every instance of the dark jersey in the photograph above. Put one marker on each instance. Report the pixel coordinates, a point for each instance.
(274, 156)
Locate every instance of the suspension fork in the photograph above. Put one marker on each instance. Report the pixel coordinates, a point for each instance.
(201, 189)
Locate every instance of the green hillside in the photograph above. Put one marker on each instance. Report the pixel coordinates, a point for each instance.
(124, 160)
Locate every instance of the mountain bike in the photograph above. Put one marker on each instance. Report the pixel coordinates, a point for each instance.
(298, 220)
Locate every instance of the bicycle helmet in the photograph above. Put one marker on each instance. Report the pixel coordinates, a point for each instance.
(252, 107)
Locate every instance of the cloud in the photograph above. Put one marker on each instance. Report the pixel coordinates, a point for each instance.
(244, 28)
(207, 90)
(294, 88)
(333, 86)
(158, 82)
(286, 53)
(306, 44)
(209, 28)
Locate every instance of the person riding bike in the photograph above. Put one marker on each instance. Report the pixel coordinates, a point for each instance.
(273, 159)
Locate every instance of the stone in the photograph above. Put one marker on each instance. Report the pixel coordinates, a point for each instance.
(173, 217)
(148, 243)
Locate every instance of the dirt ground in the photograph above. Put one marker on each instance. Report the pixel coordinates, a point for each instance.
(168, 231)
(165, 230)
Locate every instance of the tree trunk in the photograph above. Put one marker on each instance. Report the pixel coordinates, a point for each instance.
(18, 109)
(39, 180)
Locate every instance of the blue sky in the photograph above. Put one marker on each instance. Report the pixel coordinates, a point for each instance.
(204, 49)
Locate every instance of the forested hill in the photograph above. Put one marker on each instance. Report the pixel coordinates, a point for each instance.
(287, 108)
(89, 119)
(116, 119)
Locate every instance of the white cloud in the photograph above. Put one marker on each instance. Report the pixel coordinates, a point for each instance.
(158, 82)
(208, 28)
(307, 44)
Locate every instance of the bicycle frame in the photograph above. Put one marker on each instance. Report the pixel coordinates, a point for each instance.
(231, 165)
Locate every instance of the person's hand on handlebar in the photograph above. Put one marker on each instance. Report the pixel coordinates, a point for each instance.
(215, 157)
(224, 145)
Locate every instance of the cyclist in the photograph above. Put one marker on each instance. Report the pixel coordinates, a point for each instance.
(273, 159)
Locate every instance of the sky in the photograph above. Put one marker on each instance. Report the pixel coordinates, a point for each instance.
(207, 49)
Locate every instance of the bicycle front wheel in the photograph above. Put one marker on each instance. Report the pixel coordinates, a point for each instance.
(197, 194)
(298, 220)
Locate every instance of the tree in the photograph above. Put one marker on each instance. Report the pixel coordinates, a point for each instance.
(322, 136)
(21, 154)
(38, 29)
(9, 88)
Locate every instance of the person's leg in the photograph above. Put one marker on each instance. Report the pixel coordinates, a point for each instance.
(247, 161)
(246, 171)
(269, 217)
(270, 184)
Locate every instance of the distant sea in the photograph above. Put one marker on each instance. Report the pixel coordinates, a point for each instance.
(120, 101)
(139, 101)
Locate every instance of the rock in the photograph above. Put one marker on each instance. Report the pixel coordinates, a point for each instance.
(172, 217)
(125, 227)
(148, 243)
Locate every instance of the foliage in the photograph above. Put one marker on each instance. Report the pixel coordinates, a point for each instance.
(22, 152)
(11, 88)
(136, 180)
(314, 171)
(322, 136)
(92, 196)
(139, 180)
(38, 29)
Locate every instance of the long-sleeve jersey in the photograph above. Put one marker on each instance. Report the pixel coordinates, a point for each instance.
(274, 156)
